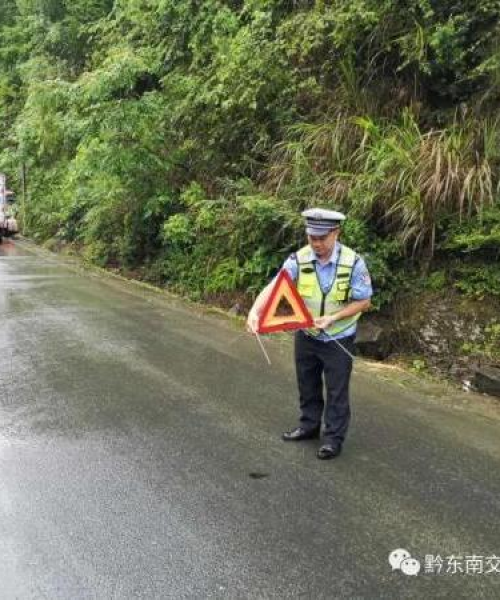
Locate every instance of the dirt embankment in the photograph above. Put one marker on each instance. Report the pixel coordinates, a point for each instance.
(447, 333)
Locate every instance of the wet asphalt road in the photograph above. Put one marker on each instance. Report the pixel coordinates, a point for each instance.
(140, 458)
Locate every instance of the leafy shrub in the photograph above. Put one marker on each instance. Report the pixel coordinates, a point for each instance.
(489, 348)
(478, 280)
(481, 233)
(226, 244)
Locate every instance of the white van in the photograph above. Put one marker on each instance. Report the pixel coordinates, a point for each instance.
(8, 221)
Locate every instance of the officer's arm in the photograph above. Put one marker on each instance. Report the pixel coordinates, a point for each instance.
(353, 308)
(361, 293)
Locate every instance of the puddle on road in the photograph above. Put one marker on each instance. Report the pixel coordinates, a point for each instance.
(258, 475)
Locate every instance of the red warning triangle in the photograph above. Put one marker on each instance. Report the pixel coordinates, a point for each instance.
(284, 289)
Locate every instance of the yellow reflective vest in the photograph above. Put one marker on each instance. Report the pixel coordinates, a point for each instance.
(330, 302)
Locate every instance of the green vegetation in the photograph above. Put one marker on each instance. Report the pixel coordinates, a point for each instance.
(489, 348)
(181, 138)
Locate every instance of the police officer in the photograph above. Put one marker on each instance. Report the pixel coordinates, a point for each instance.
(335, 285)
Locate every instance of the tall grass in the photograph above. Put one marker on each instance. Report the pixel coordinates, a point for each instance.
(314, 160)
(409, 181)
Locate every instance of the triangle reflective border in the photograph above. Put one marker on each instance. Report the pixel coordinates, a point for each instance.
(301, 318)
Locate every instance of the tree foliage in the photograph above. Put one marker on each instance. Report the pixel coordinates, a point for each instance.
(182, 137)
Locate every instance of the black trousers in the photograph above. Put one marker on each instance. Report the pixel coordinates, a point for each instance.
(313, 360)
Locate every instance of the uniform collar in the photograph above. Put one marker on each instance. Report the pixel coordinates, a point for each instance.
(334, 256)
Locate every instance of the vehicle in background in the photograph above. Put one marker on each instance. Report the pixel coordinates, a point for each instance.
(8, 210)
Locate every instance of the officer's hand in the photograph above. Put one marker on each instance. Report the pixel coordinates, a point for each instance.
(252, 322)
(323, 322)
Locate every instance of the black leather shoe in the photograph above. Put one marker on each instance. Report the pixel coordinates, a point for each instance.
(299, 433)
(328, 451)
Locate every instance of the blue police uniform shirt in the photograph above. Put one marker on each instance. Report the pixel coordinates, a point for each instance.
(361, 286)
